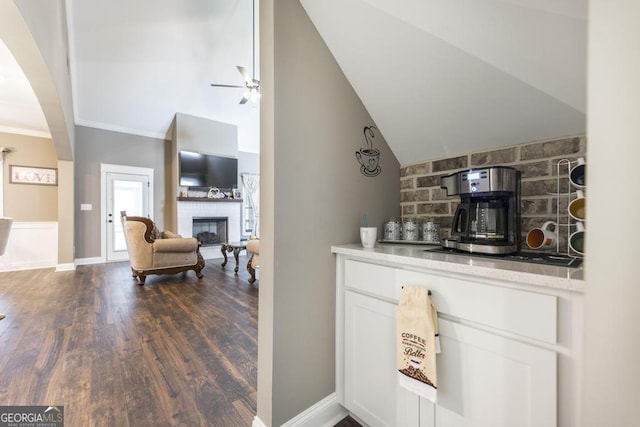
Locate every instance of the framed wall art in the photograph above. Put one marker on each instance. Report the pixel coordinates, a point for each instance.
(33, 175)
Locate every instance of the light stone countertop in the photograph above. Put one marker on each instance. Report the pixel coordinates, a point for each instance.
(571, 279)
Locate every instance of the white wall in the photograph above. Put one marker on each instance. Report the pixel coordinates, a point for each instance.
(612, 348)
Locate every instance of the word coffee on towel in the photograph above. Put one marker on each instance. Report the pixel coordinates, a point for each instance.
(417, 335)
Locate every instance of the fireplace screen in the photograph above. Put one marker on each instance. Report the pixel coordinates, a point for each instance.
(210, 231)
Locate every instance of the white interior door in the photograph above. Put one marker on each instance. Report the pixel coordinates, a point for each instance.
(130, 192)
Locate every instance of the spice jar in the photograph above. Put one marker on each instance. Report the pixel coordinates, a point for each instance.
(410, 229)
(431, 232)
(392, 229)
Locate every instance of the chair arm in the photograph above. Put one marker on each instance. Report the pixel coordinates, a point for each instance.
(166, 234)
(186, 244)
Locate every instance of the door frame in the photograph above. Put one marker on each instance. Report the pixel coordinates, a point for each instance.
(110, 168)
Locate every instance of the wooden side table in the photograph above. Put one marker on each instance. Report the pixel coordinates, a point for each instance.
(236, 248)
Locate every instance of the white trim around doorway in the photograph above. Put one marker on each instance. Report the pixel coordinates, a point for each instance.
(109, 168)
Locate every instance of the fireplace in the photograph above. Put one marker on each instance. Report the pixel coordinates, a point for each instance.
(210, 231)
(210, 208)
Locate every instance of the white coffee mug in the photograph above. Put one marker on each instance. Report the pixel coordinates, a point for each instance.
(544, 237)
(577, 207)
(368, 236)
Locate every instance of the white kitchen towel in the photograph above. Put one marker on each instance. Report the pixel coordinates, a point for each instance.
(417, 337)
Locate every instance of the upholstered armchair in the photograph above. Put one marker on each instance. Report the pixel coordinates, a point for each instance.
(151, 252)
(253, 248)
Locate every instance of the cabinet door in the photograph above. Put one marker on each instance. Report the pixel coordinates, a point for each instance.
(427, 413)
(372, 392)
(488, 380)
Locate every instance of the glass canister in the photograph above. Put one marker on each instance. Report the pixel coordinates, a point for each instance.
(410, 229)
(431, 232)
(392, 229)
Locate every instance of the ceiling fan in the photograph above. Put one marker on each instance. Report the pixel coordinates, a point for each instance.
(251, 84)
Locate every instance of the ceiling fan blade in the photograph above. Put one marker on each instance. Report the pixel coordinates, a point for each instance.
(246, 76)
(217, 85)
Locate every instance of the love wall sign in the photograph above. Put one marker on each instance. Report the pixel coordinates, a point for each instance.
(33, 175)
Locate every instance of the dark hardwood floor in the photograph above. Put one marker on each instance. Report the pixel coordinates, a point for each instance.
(348, 422)
(178, 351)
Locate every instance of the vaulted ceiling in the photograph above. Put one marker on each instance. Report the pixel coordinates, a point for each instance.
(438, 77)
(20, 110)
(134, 65)
(443, 77)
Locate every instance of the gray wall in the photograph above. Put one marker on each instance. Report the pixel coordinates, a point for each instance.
(206, 136)
(313, 196)
(95, 146)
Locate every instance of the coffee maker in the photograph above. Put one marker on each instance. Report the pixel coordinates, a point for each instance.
(487, 219)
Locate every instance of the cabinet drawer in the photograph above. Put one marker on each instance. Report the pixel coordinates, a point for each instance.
(521, 312)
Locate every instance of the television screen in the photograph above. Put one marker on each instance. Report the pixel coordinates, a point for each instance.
(204, 170)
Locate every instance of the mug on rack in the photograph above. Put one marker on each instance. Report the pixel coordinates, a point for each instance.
(576, 240)
(577, 174)
(544, 237)
(577, 207)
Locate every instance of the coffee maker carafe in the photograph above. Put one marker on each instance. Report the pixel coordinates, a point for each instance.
(487, 219)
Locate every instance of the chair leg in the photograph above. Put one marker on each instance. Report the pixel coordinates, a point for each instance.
(251, 271)
(141, 278)
(199, 266)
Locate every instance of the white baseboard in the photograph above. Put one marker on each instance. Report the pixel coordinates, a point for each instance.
(257, 422)
(66, 267)
(325, 413)
(87, 261)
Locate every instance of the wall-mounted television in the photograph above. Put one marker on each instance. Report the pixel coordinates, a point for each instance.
(205, 170)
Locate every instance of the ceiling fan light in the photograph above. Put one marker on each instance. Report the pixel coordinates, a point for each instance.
(252, 92)
(254, 95)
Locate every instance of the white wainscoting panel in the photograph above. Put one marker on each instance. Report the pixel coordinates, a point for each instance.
(31, 245)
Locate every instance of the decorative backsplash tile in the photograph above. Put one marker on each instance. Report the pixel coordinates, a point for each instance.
(422, 198)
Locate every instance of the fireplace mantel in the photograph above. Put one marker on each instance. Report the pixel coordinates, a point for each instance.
(208, 200)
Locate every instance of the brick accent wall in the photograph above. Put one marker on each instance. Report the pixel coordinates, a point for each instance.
(421, 196)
